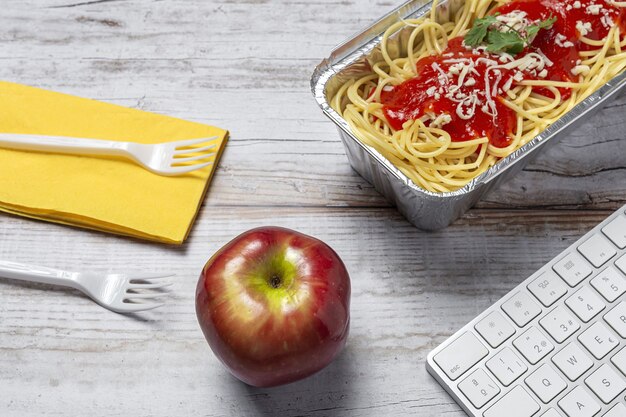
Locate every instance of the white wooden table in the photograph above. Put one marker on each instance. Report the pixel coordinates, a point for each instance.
(245, 65)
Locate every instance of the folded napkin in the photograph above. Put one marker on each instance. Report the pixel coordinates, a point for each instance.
(108, 194)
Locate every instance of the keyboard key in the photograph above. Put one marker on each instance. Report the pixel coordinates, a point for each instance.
(618, 411)
(578, 403)
(572, 361)
(621, 264)
(619, 361)
(459, 356)
(548, 288)
(506, 366)
(616, 231)
(598, 340)
(516, 403)
(554, 347)
(573, 268)
(617, 318)
(479, 388)
(585, 303)
(559, 324)
(533, 345)
(606, 383)
(598, 250)
(521, 308)
(546, 383)
(495, 329)
(610, 283)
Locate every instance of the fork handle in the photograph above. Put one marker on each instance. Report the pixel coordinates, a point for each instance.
(62, 144)
(23, 272)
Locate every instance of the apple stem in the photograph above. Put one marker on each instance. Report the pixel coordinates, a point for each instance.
(275, 281)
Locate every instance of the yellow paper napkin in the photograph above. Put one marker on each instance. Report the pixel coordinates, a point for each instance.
(107, 194)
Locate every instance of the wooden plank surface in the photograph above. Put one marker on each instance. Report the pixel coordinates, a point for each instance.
(245, 66)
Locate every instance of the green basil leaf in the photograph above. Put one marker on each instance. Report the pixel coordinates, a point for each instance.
(478, 32)
(510, 42)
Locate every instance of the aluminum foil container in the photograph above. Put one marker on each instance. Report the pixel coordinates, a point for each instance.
(426, 210)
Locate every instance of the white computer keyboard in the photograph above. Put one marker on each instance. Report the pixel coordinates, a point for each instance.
(555, 346)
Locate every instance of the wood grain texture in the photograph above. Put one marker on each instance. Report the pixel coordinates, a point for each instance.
(411, 290)
(245, 66)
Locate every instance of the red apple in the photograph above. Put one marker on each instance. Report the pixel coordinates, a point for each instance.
(274, 305)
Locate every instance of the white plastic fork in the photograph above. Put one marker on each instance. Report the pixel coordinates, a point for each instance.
(168, 158)
(121, 293)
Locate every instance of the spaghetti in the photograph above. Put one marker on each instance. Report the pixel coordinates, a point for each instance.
(448, 110)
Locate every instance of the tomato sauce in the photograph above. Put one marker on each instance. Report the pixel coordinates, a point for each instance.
(472, 101)
(411, 100)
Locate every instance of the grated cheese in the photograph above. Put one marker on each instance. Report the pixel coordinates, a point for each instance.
(607, 21)
(441, 120)
(593, 9)
(562, 41)
(583, 27)
(581, 70)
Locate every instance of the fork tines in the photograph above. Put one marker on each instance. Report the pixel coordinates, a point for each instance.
(141, 289)
(187, 151)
